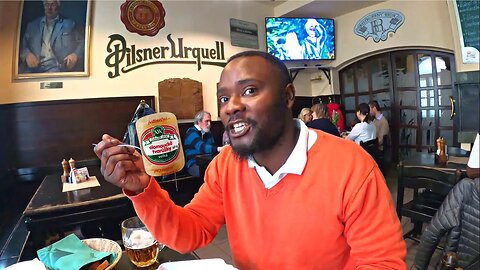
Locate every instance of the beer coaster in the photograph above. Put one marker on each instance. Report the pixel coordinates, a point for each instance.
(144, 17)
(91, 182)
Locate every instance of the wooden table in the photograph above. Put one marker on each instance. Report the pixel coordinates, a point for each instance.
(428, 160)
(51, 209)
(166, 255)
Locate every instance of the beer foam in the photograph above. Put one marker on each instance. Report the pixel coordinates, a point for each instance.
(140, 239)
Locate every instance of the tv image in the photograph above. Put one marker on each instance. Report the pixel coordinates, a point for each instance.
(300, 38)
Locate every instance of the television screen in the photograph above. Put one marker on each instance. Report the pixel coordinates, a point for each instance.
(300, 38)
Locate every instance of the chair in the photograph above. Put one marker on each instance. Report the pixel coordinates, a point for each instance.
(372, 148)
(430, 187)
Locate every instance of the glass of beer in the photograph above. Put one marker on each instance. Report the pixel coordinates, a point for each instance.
(141, 247)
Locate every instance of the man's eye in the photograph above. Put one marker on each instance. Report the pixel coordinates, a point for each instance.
(223, 99)
(249, 91)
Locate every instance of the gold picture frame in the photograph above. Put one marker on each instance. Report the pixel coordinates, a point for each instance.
(53, 39)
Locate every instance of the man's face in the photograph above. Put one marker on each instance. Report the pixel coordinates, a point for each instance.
(205, 123)
(253, 104)
(373, 111)
(51, 9)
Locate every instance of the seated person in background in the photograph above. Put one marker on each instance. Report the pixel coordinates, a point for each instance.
(225, 138)
(365, 130)
(305, 115)
(272, 186)
(321, 121)
(198, 141)
(380, 122)
(458, 217)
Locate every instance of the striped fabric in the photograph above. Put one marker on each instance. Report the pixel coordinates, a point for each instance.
(197, 143)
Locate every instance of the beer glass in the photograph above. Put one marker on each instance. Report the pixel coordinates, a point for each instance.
(141, 247)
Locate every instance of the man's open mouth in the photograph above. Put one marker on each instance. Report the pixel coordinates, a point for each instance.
(238, 129)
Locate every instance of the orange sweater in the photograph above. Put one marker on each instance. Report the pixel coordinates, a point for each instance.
(337, 215)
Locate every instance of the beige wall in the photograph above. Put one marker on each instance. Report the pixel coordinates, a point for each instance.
(427, 25)
(200, 23)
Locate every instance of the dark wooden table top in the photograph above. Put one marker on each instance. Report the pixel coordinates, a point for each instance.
(165, 255)
(428, 160)
(50, 198)
(50, 207)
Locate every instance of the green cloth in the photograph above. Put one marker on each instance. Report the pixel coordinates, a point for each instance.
(70, 254)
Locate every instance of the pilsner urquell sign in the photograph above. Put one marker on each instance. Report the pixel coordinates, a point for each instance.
(123, 57)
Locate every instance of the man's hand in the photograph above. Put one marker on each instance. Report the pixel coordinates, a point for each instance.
(70, 61)
(31, 60)
(121, 165)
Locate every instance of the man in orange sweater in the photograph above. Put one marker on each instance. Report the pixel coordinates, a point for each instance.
(291, 197)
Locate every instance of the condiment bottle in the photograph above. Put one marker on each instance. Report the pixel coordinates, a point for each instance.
(65, 171)
(161, 144)
(442, 157)
(71, 162)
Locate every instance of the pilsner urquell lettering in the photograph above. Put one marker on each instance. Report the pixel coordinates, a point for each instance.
(123, 58)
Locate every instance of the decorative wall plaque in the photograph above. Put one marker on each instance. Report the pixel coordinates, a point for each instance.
(378, 24)
(144, 17)
(182, 97)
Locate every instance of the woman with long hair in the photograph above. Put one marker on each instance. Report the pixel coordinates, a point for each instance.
(365, 130)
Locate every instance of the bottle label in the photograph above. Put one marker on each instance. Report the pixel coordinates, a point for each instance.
(161, 144)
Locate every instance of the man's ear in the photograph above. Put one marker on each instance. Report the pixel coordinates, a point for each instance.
(290, 95)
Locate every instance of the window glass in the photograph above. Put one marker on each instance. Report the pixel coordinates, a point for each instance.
(383, 99)
(407, 98)
(380, 76)
(405, 70)
(425, 70)
(361, 74)
(408, 136)
(347, 81)
(444, 75)
(408, 117)
(444, 97)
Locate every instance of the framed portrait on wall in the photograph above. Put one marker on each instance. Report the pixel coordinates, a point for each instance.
(52, 39)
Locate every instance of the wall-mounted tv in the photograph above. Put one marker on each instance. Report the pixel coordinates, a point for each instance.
(300, 38)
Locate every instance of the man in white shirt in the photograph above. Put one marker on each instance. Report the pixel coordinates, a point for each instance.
(381, 123)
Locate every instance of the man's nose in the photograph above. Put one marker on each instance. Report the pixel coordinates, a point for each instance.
(235, 104)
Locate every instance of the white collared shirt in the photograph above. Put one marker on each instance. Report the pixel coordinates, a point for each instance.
(379, 116)
(295, 163)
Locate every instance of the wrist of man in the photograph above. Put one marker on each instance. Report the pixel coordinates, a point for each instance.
(135, 192)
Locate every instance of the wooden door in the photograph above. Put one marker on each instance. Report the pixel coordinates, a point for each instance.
(414, 90)
(424, 97)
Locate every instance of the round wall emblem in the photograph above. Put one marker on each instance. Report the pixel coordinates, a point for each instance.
(144, 17)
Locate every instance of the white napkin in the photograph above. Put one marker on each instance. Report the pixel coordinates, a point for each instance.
(34, 264)
(205, 264)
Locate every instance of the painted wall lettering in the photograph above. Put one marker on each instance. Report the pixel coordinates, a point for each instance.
(123, 57)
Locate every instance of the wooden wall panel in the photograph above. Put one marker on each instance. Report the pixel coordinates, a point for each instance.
(40, 134)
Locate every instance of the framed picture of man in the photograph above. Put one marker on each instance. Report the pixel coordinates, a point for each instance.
(52, 39)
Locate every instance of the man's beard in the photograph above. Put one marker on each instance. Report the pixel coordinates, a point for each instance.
(266, 137)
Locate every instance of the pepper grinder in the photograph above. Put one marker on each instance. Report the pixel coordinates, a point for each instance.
(65, 174)
(72, 164)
